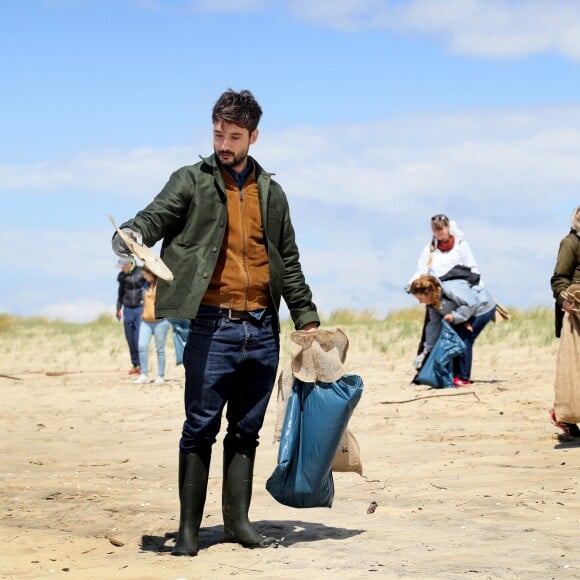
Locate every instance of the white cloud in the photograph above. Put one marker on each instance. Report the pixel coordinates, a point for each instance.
(130, 173)
(495, 29)
(66, 275)
(505, 157)
(484, 28)
(69, 255)
(397, 164)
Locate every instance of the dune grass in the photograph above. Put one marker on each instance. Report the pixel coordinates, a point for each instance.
(531, 328)
(397, 335)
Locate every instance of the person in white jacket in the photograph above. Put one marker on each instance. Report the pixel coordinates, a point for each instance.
(448, 248)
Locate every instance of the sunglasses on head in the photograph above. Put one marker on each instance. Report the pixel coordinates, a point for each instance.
(440, 218)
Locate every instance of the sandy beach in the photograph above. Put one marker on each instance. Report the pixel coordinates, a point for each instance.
(469, 483)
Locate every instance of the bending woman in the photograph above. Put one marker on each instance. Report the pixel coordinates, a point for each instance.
(467, 309)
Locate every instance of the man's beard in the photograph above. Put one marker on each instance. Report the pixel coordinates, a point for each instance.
(232, 160)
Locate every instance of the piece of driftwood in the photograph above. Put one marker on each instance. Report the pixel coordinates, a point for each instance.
(151, 260)
(430, 397)
(58, 373)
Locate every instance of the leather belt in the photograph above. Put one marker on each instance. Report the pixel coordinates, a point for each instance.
(215, 311)
(236, 314)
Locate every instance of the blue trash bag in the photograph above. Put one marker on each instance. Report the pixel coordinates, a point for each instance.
(316, 416)
(437, 370)
(180, 334)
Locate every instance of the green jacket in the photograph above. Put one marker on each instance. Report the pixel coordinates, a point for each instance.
(567, 269)
(190, 215)
(566, 272)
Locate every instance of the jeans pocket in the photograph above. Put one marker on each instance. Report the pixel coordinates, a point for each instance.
(205, 325)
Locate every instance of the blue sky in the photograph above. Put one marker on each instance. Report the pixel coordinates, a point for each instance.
(377, 114)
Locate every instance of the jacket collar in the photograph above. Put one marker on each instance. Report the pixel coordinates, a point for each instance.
(262, 176)
(213, 164)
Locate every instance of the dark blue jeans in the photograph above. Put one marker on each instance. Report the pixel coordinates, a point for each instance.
(131, 324)
(233, 362)
(462, 364)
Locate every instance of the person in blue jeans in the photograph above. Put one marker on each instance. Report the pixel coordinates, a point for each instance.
(151, 327)
(180, 328)
(468, 308)
(130, 306)
(229, 241)
(484, 313)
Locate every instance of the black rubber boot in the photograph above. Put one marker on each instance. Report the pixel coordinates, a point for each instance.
(236, 497)
(193, 476)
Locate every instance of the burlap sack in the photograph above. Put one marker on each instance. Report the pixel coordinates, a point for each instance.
(149, 304)
(285, 382)
(319, 355)
(347, 456)
(567, 382)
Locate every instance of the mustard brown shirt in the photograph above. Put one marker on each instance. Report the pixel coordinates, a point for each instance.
(241, 278)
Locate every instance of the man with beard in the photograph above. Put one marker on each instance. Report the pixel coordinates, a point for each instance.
(229, 241)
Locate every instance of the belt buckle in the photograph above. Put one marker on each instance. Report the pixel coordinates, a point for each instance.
(238, 316)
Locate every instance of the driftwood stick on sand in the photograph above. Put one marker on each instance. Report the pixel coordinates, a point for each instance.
(430, 397)
(61, 373)
(58, 373)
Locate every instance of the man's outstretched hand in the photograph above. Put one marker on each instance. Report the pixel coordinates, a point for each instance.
(119, 246)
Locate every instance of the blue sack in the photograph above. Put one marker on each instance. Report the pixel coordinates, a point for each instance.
(316, 416)
(437, 371)
(180, 334)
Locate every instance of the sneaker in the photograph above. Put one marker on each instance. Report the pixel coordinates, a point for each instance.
(135, 371)
(457, 382)
(159, 380)
(141, 380)
(570, 429)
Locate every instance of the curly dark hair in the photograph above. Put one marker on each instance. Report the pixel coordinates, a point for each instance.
(241, 108)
